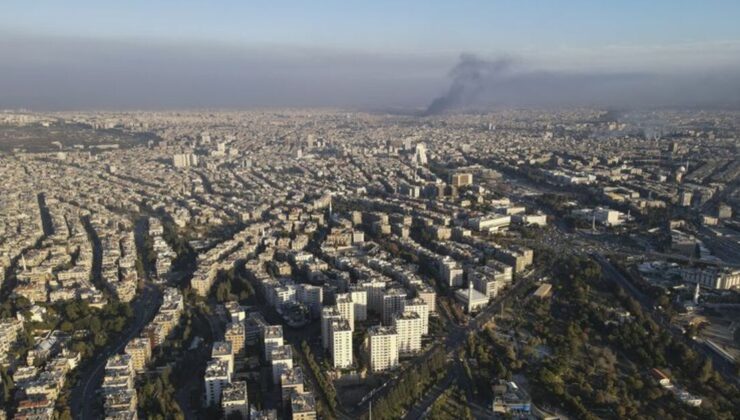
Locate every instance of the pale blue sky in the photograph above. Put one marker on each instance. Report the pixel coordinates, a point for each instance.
(420, 26)
(62, 54)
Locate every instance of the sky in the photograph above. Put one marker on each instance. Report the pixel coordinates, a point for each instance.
(236, 53)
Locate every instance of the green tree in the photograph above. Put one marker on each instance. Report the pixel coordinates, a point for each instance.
(706, 372)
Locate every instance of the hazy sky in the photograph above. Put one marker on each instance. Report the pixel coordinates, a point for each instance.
(153, 54)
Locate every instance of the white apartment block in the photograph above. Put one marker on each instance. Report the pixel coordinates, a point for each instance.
(451, 272)
(222, 351)
(422, 309)
(382, 346)
(234, 399)
(346, 308)
(359, 298)
(282, 360)
(328, 315)
(311, 296)
(272, 338)
(236, 311)
(341, 343)
(216, 378)
(408, 327)
(491, 278)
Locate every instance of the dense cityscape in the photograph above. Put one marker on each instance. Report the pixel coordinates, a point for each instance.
(335, 264)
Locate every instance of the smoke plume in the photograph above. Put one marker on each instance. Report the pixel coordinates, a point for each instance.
(481, 84)
(470, 77)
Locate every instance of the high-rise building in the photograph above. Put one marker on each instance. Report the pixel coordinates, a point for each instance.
(254, 326)
(328, 315)
(392, 304)
(420, 307)
(291, 381)
(375, 289)
(346, 308)
(266, 414)
(408, 327)
(236, 311)
(451, 272)
(420, 154)
(359, 299)
(216, 378)
(382, 346)
(235, 335)
(272, 338)
(282, 360)
(234, 400)
(341, 343)
(303, 406)
(222, 351)
(428, 295)
(311, 296)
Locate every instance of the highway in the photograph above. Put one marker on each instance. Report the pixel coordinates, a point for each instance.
(84, 392)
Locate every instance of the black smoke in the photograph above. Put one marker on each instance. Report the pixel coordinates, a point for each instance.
(58, 73)
(470, 77)
(479, 84)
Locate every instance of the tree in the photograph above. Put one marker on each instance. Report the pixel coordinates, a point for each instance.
(71, 311)
(67, 326)
(95, 325)
(223, 291)
(66, 414)
(706, 372)
(6, 386)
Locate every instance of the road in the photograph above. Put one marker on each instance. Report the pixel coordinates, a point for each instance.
(454, 341)
(196, 362)
(81, 397)
(421, 407)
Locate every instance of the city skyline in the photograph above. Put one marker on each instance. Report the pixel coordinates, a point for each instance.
(416, 210)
